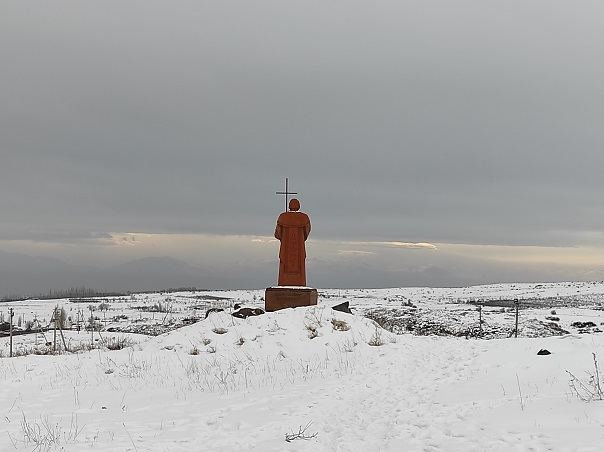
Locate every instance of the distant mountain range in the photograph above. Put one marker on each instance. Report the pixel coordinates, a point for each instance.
(22, 275)
(26, 276)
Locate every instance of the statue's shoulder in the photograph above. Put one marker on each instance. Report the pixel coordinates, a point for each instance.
(293, 218)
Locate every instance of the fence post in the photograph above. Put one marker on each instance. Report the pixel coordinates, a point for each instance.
(91, 327)
(11, 314)
(516, 328)
(480, 319)
(54, 318)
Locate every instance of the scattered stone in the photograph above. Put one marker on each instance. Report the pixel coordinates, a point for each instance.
(343, 307)
(244, 313)
(587, 324)
(146, 329)
(543, 351)
(339, 325)
(586, 327)
(426, 322)
(537, 328)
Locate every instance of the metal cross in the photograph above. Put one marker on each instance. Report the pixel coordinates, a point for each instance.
(286, 193)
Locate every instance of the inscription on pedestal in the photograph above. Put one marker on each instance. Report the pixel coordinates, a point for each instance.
(276, 298)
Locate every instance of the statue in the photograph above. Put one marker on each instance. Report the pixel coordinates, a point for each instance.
(292, 230)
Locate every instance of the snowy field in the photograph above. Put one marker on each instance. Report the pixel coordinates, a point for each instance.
(310, 379)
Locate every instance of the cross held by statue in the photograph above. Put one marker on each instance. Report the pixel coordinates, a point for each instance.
(286, 193)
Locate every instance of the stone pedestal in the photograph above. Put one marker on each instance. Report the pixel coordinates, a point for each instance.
(282, 297)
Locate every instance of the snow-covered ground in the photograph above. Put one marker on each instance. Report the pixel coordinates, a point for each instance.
(323, 379)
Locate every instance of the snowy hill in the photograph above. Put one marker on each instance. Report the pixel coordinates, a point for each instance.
(322, 379)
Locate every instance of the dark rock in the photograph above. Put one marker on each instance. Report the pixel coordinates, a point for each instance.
(544, 352)
(553, 318)
(244, 313)
(343, 307)
(583, 324)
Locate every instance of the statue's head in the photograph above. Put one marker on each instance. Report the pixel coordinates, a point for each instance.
(294, 205)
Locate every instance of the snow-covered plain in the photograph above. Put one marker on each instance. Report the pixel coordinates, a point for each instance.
(325, 380)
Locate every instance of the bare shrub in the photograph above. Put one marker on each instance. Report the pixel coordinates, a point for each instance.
(220, 330)
(590, 389)
(313, 320)
(312, 331)
(47, 436)
(300, 434)
(77, 347)
(117, 343)
(339, 325)
(314, 315)
(348, 345)
(377, 340)
(44, 434)
(45, 350)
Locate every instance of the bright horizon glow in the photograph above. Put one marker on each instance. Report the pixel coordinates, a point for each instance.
(329, 257)
(123, 246)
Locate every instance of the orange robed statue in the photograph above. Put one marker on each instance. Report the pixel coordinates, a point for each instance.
(292, 230)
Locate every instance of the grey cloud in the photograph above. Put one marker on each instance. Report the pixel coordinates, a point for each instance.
(413, 121)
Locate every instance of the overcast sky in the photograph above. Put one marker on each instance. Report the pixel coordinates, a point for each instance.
(431, 142)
